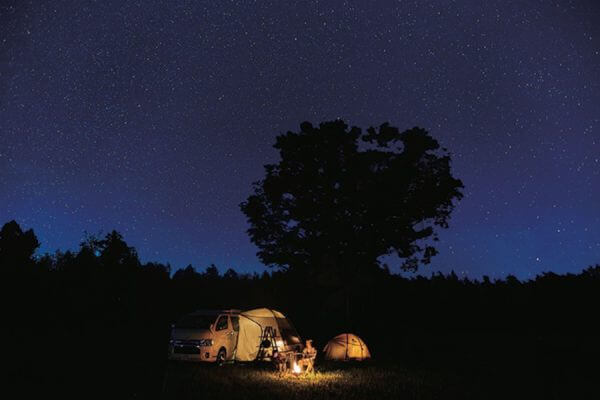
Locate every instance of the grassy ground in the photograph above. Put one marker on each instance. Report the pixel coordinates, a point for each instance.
(345, 381)
(491, 367)
(553, 369)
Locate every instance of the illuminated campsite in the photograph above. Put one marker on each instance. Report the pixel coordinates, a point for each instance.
(312, 199)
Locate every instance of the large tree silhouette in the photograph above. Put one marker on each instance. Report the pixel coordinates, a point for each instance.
(341, 198)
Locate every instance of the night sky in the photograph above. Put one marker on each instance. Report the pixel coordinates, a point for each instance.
(154, 118)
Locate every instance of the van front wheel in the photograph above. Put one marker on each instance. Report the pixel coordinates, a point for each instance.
(221, 356)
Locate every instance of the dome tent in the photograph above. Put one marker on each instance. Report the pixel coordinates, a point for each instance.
(252, 327)
(346, 346)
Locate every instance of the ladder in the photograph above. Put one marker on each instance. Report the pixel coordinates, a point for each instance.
(267, 340)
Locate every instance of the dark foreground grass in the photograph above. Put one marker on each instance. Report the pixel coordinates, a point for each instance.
(483, 366)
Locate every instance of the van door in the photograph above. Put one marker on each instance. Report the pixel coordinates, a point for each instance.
(235, 325)
(224, 336)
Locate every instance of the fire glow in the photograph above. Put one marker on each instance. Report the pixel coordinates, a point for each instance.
(296, 368)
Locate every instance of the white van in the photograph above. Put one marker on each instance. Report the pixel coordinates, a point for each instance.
(206, 335)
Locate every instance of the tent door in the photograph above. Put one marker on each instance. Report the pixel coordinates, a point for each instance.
(267, 340)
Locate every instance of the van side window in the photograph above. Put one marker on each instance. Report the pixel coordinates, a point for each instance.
(221, 323)
(235, 322)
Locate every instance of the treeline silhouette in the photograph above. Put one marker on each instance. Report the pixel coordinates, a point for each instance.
(99, 318)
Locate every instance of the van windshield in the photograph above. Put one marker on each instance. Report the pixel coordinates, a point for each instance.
(196, 321)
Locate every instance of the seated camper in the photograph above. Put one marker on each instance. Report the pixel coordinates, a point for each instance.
(308, 356)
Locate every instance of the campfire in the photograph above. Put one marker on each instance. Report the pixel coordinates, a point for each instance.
(296, 368)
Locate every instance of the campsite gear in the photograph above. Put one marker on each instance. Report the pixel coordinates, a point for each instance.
(280, 362)
(294, 362)
(267, 341)
(346, 346)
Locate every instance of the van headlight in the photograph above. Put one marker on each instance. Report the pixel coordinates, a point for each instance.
(205, 342)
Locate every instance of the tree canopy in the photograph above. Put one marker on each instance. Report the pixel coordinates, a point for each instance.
(342, 198)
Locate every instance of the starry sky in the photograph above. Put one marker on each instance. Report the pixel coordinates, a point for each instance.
(154, 118)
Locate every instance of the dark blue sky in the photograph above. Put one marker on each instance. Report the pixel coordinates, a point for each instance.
(154, 118)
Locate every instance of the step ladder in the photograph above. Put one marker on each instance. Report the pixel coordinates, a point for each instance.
(267, 340)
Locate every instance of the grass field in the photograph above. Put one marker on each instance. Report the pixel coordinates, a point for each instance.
(346, 381)
(495, 367)
(549, 373)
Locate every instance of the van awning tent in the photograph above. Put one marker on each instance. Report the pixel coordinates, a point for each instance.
(252, 327)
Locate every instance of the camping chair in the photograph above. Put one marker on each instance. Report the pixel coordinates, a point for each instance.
(307, 359)
(309, 362)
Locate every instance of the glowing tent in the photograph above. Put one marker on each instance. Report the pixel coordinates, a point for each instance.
(254, 323)
(346, 346)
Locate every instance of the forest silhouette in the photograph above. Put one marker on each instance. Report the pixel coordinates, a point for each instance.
(99, 317)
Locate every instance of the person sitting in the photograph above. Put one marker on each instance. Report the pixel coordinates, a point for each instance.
(308, 356)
